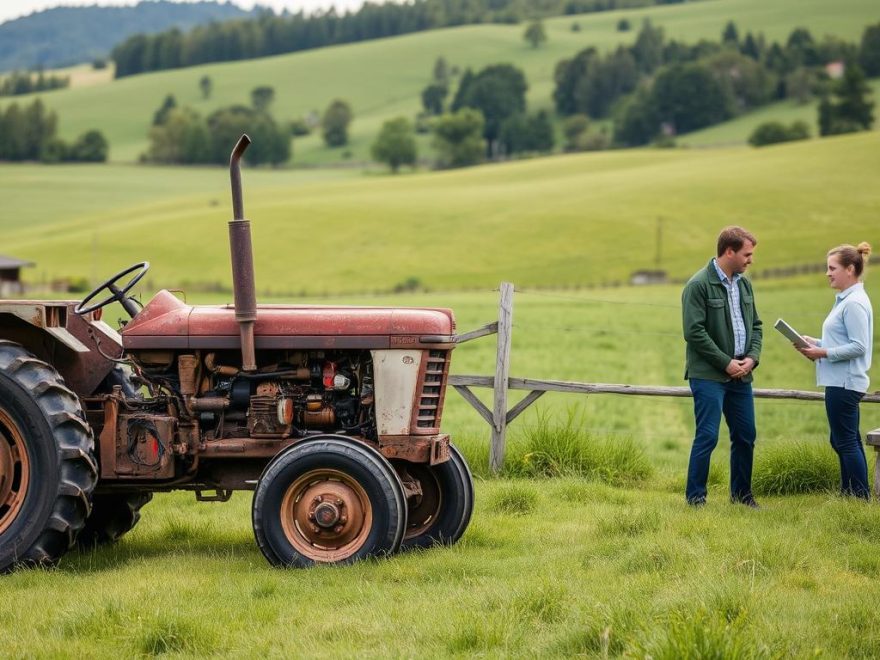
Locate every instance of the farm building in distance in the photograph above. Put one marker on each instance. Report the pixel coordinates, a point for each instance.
(10, 275)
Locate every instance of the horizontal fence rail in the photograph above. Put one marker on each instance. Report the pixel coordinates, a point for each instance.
(499, 417)
(637, 390)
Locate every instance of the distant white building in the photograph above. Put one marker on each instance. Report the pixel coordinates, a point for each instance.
(835, 69)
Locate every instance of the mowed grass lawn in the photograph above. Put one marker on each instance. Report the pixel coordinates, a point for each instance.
(383, 79)
(605, 560)
(565, 220)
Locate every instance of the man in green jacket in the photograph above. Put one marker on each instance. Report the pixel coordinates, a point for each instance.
(723, 335)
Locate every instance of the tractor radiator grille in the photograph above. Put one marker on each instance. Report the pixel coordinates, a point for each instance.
(432, 389)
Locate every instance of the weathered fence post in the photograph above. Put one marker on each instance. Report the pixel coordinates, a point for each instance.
(873, 440)
(502, 372)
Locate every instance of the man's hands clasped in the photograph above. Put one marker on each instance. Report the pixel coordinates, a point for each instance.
(740, 368)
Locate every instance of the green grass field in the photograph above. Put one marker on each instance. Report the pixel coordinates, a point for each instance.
(602, 560)
(383, 78)
(561, 221)
(605, 565)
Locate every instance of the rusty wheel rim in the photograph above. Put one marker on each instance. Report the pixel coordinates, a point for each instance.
(14, 470)
(326, 515)
(422, 510)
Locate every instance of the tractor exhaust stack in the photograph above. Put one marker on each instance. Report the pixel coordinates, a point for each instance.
(243, 286)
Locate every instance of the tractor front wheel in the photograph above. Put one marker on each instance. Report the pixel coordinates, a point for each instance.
(328, 500)
(441, 513)
(47, 465)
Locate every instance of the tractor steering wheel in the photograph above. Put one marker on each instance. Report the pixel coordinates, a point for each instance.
(116, 294)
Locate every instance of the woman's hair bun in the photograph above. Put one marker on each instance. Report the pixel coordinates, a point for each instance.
(864, 249)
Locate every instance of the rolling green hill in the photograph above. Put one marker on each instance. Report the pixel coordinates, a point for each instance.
(736, 131)
(383, 78)
(565, 220)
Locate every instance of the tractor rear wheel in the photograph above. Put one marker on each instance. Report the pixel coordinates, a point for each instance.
(328, 500)
(113, 515)
(47, 464)
(443, 510)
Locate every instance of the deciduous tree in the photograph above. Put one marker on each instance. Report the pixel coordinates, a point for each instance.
(335, 123)
(535, 33)
(458, 138)
(396, 144)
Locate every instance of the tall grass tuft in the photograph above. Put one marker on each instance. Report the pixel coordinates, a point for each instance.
(796, 468)
(166, 635)
(514, 499)
(567, 449)
(699, 635)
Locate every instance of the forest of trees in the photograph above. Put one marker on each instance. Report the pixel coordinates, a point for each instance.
(271, 35)
(657, 89)
(18, 83)
(62, 36)
(181, 136)
(29, 133)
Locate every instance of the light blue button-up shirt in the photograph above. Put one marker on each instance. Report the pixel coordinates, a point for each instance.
(736, 316)
(848, 336)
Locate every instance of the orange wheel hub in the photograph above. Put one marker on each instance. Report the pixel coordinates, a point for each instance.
(326, 515)
(14, 470)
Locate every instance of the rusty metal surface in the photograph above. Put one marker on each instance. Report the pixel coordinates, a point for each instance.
(52, 332)
(416, 448)
(326, 515)
(235, 175)
(15, 470)
(430, 393)
(241, 249)
(166, 316)
(424, 497)
(107, 437)
(144, 446)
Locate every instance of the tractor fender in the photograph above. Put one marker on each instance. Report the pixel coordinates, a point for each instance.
(57, 336)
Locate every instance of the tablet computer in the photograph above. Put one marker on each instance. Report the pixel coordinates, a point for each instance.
(791, 334)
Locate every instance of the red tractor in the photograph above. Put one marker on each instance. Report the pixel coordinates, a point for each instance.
(330, 414)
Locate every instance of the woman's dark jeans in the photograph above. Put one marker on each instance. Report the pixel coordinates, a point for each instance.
(842, 406)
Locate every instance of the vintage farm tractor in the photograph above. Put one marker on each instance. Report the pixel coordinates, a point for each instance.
(330, 414)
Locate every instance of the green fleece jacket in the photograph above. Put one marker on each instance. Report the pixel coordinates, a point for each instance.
(708, 328)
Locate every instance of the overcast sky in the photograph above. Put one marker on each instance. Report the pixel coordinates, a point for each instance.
(10, 9)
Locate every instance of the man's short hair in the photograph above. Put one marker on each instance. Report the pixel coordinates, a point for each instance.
(734, 237)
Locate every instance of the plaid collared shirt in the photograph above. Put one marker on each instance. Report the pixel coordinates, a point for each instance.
(739, 327)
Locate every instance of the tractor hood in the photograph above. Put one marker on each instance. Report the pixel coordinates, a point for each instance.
(167, 322)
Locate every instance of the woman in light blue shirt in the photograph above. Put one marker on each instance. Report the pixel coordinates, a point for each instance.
(843, 357)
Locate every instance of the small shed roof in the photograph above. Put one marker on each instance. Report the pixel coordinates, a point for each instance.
(12, 262)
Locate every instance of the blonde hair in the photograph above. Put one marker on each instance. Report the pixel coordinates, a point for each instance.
(857, 257)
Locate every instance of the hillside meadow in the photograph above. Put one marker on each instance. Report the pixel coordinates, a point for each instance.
(583, 219)
(604, 560)
(382, 79)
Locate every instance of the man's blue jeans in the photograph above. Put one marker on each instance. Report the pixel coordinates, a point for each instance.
(711, 399)
(842, 407)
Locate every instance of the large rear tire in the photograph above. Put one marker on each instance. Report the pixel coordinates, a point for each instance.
(441, 514)
(328, 500)
(113, 516)
(47, 464)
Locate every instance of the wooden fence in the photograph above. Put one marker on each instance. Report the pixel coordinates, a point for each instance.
(500, 417)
